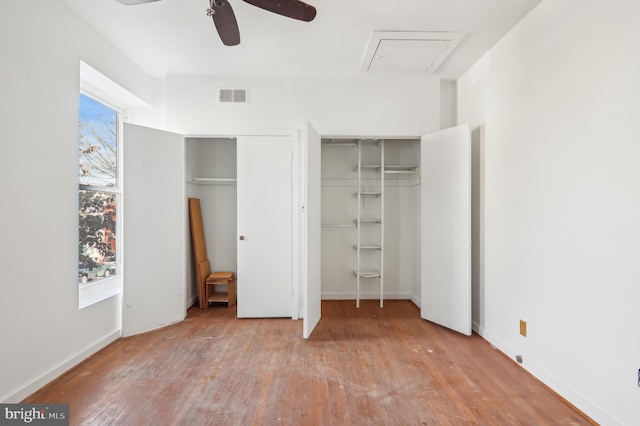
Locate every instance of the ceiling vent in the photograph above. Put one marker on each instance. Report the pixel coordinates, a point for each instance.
(408, 51)
(236, 96)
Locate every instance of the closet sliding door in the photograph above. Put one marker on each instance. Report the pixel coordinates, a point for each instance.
(446, 228)
(264, 185)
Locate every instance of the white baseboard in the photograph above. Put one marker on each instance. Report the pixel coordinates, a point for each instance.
(62, 368)
(549, 379)
(415, 300)
(477, 328)
(191, 302)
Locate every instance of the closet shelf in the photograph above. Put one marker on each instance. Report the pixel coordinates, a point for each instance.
(370, 274)
(205, 181)
(369, 221)
(368, 167)
(371, 247)
(333, 142)
(376, 189)
(404, 180)
(401, 169)
(338, 225)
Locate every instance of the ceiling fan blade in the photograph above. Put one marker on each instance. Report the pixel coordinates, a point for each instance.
(290, 8)
(225, 22)
(132, 2)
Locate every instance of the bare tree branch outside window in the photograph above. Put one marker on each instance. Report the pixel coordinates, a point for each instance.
(97, 168)
(97, 145)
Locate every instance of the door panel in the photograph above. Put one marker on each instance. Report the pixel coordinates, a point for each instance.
(264, 287)
(154, 217)
(312, 257)
(446, 228)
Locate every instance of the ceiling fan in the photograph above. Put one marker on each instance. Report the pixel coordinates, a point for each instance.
(225, 20)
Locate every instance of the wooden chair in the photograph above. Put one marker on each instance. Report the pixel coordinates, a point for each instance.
(213, 281)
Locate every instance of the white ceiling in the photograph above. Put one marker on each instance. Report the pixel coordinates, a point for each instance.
(176, 37)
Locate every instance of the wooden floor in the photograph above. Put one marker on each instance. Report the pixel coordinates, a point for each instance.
(366, 366)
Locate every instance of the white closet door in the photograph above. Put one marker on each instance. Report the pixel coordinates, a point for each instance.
(264, 286)
(154, 217)
(446, 228)
(311, 281)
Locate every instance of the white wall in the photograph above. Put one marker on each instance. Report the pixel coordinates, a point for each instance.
(448, 104)
(43, 332)
(335, 106)
(554, 106)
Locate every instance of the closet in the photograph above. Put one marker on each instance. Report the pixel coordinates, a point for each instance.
(211, 176)
(407, 233)
(299, 219)
(245, 189)
(370, 220)
(245, 184)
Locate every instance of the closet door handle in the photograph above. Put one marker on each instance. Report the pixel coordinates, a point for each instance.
(241, 237)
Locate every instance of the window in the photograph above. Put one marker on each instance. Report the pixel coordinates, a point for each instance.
(99, 192)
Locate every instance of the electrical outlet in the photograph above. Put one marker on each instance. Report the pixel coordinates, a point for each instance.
(523, 328)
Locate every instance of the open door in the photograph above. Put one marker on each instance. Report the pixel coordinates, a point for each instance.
(264, 184)
(446, 228)
(311, 281)
(154, 218)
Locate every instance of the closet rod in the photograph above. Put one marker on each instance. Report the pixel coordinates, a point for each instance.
(211, 180)
(333, 142)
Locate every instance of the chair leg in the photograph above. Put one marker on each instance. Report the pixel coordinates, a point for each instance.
(231, 292)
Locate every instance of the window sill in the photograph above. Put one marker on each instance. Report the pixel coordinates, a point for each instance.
(92, 293)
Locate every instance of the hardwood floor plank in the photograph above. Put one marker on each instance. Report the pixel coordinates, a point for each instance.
(366, 366)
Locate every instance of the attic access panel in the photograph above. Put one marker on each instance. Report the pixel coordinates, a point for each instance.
(414, 51)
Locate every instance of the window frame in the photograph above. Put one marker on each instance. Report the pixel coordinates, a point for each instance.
(93, 292)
